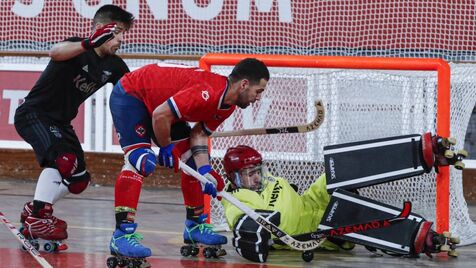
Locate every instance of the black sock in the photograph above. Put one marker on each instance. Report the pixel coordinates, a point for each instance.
(37, 205)
(193, 213)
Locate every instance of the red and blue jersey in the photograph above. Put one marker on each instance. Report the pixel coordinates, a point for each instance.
(193, 95)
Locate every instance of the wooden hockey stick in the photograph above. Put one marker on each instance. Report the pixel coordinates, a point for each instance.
(314, 124)
(26, 244)
(314, 240)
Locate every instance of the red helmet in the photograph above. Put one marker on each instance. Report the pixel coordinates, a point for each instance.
(240, 157)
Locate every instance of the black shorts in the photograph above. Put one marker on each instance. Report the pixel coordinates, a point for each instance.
(48, 138)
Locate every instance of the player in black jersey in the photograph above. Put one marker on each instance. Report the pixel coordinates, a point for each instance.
(78, 68)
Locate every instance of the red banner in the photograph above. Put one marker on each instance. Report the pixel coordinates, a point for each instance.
(14, 86)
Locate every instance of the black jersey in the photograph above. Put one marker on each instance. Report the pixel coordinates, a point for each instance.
(64, 85)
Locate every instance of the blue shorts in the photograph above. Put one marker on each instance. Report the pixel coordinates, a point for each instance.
(131, 119)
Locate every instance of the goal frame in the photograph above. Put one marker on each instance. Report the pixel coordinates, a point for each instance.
(368, 63)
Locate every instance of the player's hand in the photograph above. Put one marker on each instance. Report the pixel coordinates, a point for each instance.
(100, 36)
(168, 157)
(215, 184)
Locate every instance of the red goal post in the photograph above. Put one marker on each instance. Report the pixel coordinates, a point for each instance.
(369, 63)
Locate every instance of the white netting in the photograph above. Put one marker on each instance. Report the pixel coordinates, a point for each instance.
(427, 28)
(360, 105)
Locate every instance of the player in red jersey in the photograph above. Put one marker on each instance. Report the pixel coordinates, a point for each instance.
(156, 102)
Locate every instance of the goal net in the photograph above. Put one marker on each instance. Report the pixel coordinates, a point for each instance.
(360, 105)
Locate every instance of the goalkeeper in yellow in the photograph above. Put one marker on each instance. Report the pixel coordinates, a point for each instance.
(274, 198)
(297, 215)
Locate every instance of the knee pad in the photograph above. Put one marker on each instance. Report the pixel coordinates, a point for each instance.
(143, 160)
(66, 163)
(78, 182)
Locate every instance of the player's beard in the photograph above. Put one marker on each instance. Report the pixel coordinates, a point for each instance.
(243, 101)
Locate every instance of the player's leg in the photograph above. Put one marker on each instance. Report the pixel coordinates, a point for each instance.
(409, 237)
(360, 164)
(132, 124)
(196, 231)
(48, 142)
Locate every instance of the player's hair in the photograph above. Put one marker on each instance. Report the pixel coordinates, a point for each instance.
(110, 13)
(250, 68)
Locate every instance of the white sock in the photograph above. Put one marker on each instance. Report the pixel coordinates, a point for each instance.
(60, 192)
(49, 183)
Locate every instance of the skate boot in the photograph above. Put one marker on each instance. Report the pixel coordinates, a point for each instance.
(126, 248)
(199, 233)
(42, 227)
(430, 242)
(28, 208)
(442, 152)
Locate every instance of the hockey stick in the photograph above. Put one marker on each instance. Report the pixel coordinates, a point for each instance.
(26, 244)
(360, 227)
(314, 124)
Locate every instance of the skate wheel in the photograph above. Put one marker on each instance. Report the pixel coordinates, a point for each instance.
(194, 251)
(459, 165)
(111, 262)
(209, 252)
(463, 153)
(453, 253)
(61, 246)
(122, 262)
(455, 240)
(452, 140)
(307, 256)
(221, 252)
(445, 248)
(50, 247)
(186, 251)
(133, 264)
(449, 154)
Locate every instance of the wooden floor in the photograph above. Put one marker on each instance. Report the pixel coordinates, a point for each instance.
(90, 220)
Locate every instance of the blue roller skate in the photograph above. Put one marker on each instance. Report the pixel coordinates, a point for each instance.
(200, 233)
(126, 248)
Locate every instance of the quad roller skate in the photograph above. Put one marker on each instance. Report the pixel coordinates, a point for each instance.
(445, 153)
(43, 227)
(201, 234)
(126, 249)
(443, 242)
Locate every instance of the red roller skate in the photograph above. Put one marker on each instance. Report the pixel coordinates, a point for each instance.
(430, 242)
(439, 151)
(42, 226)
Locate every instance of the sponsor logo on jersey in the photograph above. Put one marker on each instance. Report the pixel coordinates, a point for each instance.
(55, 131)
(205, 95)
(105, 76)
(82, 84)
(275, 194)
(140, 130)
(85, 68)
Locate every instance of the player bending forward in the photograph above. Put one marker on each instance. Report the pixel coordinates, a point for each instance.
(155, 103)
(299, 215)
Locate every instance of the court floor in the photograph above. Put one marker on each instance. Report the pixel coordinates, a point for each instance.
(160, 217)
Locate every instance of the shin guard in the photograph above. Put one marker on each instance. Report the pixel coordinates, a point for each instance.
(346, 208)
(360, 164)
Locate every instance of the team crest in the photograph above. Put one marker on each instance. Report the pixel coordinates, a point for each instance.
(105, 76)
(205, 95)
(140, 130)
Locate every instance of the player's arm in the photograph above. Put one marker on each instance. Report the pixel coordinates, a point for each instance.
(66, 50)
(69, 49)
(162, 119)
